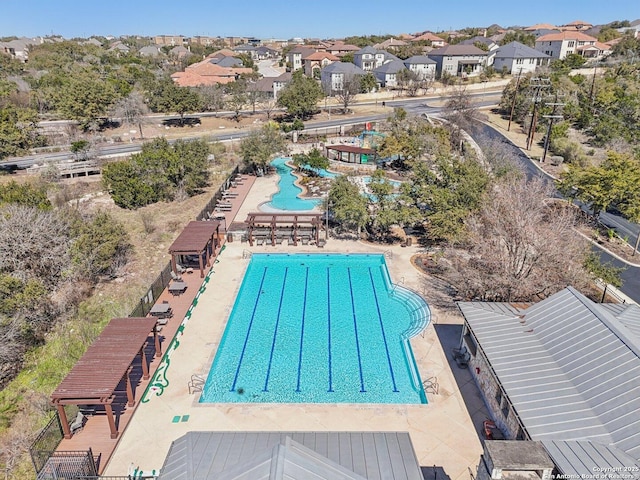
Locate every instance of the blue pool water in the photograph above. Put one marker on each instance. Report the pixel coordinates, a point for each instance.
(287, 198)
(317, 328)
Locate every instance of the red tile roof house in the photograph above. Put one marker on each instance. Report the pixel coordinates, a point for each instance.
(207, 73)
(559, 45)
(316, 61)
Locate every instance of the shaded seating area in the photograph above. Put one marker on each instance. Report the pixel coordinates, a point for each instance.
(350, 154)
(276, 228)
(95, 377)
(199, 239)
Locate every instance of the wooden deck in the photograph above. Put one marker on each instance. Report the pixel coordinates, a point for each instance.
(96, 434)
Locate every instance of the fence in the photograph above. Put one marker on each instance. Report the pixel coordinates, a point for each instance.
(46, 442)
(69, 466)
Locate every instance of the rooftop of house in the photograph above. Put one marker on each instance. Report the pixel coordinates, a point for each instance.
(566, 35)
(518, 50)
(456, 50)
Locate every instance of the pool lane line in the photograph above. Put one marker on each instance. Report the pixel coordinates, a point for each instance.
(304, 313)
(329, 328)
(384, 335)
(355, 329)
(275, 331)
(246, 339)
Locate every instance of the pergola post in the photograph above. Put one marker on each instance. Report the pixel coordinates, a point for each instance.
(112, 421)
(130, 399)
(173, 264)
(145, 367)
(201, 265)
(156, 341)
(63, 421)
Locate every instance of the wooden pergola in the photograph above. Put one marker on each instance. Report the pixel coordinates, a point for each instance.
(94, 378)
(352, 153)
(198, 238)
(272, 223)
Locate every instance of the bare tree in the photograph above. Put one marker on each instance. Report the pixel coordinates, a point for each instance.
(461, 112)
(522, 246)
(347, 94)
(268, 104)
(131, 110)
(212, 97)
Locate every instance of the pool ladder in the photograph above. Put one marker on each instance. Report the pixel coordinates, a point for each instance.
(246, 254)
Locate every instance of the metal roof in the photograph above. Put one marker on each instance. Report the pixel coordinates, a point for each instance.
(97, 374)
(570, 368)
(518, 50)
(584, 459)
(298, 455)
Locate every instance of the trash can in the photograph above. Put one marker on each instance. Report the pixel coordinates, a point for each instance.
(229, 237)
(409, 241)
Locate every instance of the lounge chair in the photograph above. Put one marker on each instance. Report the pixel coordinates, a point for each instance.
(78, 423)
(321, 242)
(175, 276)
(182, 269)
(305, 240)
(461, 357)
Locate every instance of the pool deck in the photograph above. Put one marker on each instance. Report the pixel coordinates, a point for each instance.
(445, 433)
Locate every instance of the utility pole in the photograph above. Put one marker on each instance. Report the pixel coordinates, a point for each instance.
(537, 85)
(513, 103)
(551, 118)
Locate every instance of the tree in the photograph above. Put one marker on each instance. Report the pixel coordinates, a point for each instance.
(368, 82)
(165, 96)
(347, 94)
(24, 194)
(131, 110)
(614, 182)
(236, 97)
(159, 172)
(100, 244)
(313, 161)
(260, 146)
(408, 80)
(18, 131)
(301, 96)
(461, 112)
(522, 246)
(605, 272)
(212, 97)
(347, 206)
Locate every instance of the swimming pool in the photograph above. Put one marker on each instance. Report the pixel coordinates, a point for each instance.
(287, 198)
(319, 328)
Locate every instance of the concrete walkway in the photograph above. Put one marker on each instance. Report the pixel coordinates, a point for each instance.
(445, 433)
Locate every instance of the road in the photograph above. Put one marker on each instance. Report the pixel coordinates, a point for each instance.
(420, 106)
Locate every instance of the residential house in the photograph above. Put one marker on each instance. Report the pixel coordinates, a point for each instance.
(171, 40)
(576, 26)
(369, 58)
(205, 41)
(208, 72)
(422, 65)
(334, 75)
(559, 45)
(459, 60)
(223, 52)
(226, 61)
(19, 48)
(295, 56)
(272, 85)
(564, 371)
(246, 49)
(391, 44)
(488, 43)
(93, 41)
(541, 26)
(339, 49)
(432, 38)
(119, 48)
(596, 50)
(232, 41)
(179, 51)
(515, 57)
(315, 62)
(386, 74)
(634, 28)
(264, 53)
(150, 51)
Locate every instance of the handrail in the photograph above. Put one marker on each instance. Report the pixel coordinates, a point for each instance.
(246, 254)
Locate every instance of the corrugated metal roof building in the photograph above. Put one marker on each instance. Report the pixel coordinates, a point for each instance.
(564, 369)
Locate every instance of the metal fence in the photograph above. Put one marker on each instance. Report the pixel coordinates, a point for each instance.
(46, 442)
(70, 465)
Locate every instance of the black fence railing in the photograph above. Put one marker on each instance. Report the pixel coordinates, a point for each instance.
(68, 465)
(46, 442)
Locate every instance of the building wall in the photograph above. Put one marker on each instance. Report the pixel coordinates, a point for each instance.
(424, 70)
(502, 413)
(527, 65)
